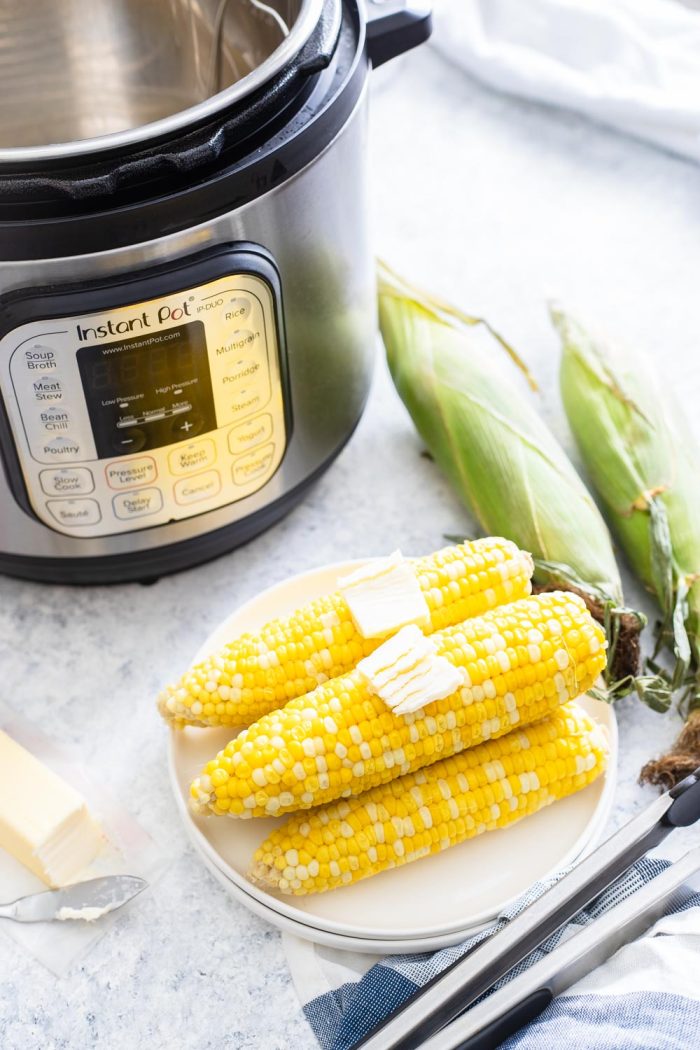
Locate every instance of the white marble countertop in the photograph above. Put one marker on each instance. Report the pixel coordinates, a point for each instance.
(497, 203)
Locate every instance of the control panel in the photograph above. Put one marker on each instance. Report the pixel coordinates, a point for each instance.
(150, 412)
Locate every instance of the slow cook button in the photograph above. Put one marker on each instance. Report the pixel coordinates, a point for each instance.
(72, 512)
(198, 487)
(253, 465)
(66, 482)
(189, 458)
(125, 474)
(137, 504)
(248, 435)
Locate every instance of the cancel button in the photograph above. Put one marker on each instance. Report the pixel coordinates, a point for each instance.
(138, 503)
(198, 487)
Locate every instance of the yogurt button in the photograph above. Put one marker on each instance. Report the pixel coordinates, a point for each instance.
(248, 435)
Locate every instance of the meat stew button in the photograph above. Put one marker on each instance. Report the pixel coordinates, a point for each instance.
(138, 503)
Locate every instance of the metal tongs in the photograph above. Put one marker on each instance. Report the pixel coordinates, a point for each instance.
(422, 1020)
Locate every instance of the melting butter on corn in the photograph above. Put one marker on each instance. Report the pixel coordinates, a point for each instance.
(407, 672)
(383, 596)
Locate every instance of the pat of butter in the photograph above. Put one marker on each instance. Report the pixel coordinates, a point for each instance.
(383, 596)
(44, 822)
(408, 673)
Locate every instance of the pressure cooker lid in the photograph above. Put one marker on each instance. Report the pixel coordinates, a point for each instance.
(85, 76)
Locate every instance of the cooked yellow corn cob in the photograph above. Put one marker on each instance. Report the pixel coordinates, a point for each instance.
(519, 662)
(486, 787)
(257, 673)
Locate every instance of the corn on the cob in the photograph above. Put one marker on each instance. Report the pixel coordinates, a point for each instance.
(257, 673)
(486, 787)
(643, 461)
(520, 662)
(502, 459)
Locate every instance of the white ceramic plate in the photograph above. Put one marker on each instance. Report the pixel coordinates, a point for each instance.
(436, 900)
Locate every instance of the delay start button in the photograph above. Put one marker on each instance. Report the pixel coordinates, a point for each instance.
(75, 511)
(128, 473)
(138, 503)
(187, 459)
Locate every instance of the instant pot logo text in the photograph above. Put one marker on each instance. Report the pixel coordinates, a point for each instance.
(138, 323)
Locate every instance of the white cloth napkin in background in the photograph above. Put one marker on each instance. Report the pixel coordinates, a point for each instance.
(631, 64)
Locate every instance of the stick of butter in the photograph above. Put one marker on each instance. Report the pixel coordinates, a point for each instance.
(44, 822)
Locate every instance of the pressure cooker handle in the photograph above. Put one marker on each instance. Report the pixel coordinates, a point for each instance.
(395, 26)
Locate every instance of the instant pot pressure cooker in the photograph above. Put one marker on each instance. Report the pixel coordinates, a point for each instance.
(187, 315)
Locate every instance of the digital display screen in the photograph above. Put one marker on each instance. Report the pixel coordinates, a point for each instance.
(149, 391)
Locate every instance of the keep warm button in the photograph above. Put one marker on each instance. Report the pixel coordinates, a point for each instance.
(253, 465)
(137, 504)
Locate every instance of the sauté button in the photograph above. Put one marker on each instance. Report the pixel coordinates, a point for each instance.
(248, 435)
(125, 474)
(132, 439)
(253, 465)
(138, 503)
(189, 458)
(198, 487)
(75, 512)
(67, 481)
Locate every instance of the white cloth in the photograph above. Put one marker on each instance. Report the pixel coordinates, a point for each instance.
(631, 64)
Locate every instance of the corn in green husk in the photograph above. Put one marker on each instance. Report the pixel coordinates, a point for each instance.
(500, 456)
(644, 463)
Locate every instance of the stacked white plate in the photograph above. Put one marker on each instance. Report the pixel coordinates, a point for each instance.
(435, 902)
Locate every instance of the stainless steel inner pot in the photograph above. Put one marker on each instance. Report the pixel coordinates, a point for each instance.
(73, 71)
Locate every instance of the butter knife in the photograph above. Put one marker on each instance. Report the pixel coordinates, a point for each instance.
(81, 902)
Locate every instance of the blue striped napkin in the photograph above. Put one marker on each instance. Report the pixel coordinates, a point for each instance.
(646, 997)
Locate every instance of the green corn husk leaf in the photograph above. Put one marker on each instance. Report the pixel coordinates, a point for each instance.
(500, 456)
(643, 462)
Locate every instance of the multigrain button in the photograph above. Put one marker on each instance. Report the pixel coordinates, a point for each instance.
(198, 487)
(75, 512)
(253, 465)
(187, 459)
(248, 435)
(66, 482)
(138, 503)
(127, 473)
